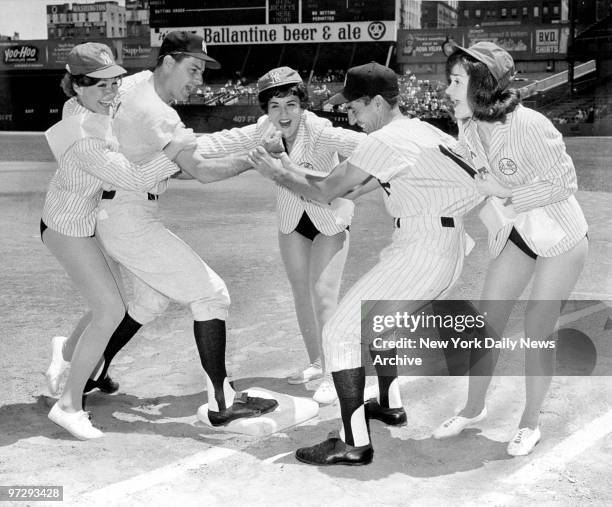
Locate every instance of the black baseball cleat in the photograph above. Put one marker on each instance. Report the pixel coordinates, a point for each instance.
(390, 416)
(244, 406)
(334, 451)
(106, 385)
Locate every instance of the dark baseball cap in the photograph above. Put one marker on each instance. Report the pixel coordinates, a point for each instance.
(369, 80)
(278, 77)
(187, 43)
(94, 60)
(498, 60)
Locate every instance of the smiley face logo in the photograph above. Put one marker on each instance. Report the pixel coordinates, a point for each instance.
(507, 166)
(376, 30)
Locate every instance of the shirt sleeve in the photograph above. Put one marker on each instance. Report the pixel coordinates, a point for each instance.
(381, 160)
(143, 123)
(545, 149)
(228, 142)
(97, 158)
(339, 140)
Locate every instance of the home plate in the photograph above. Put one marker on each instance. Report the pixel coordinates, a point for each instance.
(291, 411)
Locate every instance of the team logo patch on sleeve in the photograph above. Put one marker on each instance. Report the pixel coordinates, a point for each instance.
(507, 166)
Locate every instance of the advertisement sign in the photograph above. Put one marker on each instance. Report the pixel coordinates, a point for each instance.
(365, 31)
(517, 41)
(136, 54)
(528, 42)
(22, 55)
(551, 40)
(58, 53)
(413, 45)
(131, 53)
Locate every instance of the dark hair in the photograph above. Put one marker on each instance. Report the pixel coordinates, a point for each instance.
(489, 101)
(178, 57)
(297, 89)
(69, 80)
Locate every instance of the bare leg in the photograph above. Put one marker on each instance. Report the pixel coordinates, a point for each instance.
(85, 263)
(295, 251)
(70, 344)
(327, 259)
(554, 280)
(502, 287)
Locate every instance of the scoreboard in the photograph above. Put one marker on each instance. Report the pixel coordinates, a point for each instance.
(179, 13)
(171, 13)
(331, 11)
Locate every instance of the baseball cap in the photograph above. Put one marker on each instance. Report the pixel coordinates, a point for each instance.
(189, 44)
(370, 79)
(278, 77)
(498, 60)
(94, 60)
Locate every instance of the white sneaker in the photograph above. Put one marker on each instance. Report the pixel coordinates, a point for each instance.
(76, 423)
(312, 372)
(326, 393)
(456, 424)
(523, 441)
(57, 366)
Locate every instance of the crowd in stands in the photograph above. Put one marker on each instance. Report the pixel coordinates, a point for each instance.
(422, 97)
(418, 97)
(578, 115)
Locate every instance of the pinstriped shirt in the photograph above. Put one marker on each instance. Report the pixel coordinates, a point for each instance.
(417, 178)
(316, 147)
(527, 153)
(85, 169)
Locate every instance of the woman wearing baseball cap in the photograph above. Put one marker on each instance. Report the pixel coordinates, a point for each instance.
(537, 230)
(313, 238)
(87, 154)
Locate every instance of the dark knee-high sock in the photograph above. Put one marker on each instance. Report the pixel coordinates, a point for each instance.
(388, 385)
(210, 337)
(349, 386)
(125, 331)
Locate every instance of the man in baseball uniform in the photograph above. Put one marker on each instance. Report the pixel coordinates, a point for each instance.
(427, 195)
(129, 226)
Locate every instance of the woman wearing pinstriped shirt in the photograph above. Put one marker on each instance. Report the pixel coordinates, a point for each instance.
(313, 239)
(537, 230)
(88, 157)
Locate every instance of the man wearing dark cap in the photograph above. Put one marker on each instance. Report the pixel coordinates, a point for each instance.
(426, 194)
(165, 268)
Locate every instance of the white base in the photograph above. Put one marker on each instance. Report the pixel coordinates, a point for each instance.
(291, 411)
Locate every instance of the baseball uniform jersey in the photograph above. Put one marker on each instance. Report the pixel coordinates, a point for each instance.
(427, 196)
(527, 153)
(316, 147)
(89, 160)
(131, 230)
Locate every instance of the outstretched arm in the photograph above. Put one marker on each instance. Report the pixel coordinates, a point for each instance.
(371, 183)
(323, 188)
(211, 169)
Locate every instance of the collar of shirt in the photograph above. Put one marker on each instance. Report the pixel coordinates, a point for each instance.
(74, 107)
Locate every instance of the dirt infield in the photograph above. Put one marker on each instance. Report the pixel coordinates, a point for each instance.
(155, 454)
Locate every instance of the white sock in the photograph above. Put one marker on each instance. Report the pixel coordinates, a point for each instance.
(395, 399)
(359, 427)
(228, 394)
